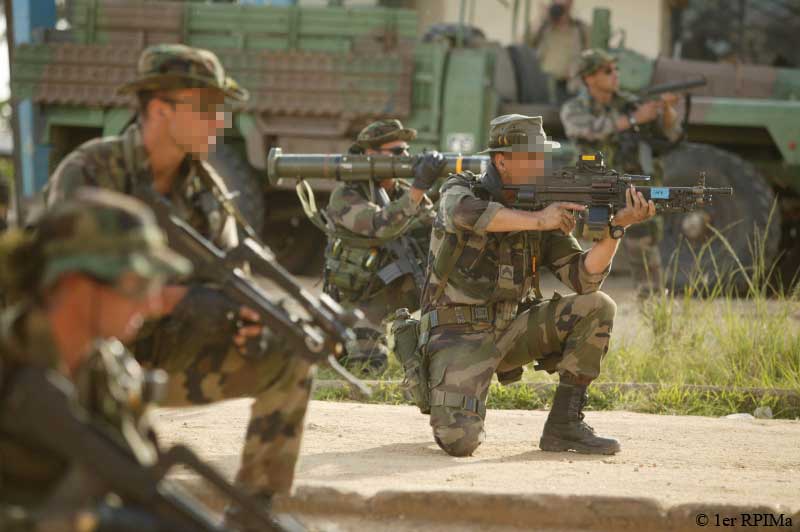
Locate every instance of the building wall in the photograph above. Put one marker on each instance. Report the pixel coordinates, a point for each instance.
(644, 21)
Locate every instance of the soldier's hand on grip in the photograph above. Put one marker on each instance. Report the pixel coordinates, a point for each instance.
(559, 216)
(427, 168)
(648, 111)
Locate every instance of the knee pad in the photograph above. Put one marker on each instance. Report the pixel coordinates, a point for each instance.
(462, 438)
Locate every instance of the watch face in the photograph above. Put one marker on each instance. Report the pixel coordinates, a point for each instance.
(617, 232)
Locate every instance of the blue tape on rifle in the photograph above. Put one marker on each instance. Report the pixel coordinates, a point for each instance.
(659, 193)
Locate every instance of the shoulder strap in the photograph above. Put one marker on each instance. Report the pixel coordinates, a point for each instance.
(220, 190)
(450, 265)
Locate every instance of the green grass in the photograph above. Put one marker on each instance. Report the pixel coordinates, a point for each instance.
(740, 333)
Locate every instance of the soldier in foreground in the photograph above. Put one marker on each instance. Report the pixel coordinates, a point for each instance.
(360, 271)
(595, 119)
(212, 348)
(482, 310)
(91, 270)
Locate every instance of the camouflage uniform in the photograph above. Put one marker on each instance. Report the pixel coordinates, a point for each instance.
(354, 255)
(203, 368)
(592, 127)
(102, 235)
(482, 312)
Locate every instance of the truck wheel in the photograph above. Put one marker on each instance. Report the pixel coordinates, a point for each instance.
(297, 244)
(532, 83)
(687, 236)
(243, 182)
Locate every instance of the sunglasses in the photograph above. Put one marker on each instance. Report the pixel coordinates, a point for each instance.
(208, 109)
(396, 150)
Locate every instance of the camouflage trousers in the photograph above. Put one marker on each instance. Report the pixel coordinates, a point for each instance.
(568, 334)
(195, 347)
(372, 343)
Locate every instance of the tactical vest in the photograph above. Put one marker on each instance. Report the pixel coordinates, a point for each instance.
(497, 269)
(357, 268)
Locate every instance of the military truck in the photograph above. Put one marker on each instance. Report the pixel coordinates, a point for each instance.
(319, 74)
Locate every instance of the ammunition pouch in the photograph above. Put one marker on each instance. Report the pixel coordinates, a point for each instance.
(410, 352)
(352, 270)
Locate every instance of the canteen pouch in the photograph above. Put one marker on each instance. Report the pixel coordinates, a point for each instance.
(405, 330)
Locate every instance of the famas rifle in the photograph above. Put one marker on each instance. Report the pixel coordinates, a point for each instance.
(325, 334)
(42, 409)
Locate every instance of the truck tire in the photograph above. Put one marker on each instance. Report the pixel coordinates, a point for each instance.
(243, 182)
(297, 244)
(737, 218)
(532, 83)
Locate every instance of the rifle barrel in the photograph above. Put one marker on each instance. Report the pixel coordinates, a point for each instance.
(674, 86)
(345, 167)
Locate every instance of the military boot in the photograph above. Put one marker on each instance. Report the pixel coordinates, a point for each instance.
(565, 429)
(238, 519)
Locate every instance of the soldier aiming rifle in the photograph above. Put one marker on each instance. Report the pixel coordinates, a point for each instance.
(632, 131)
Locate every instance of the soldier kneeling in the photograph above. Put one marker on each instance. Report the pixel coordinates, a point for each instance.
(482, 310)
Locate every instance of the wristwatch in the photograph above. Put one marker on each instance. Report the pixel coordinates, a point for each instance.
(616, 231)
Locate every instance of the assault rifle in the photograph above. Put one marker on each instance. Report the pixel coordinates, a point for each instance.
(603, 192)
(327, 331)
(655, 91)
(642, 144)
(41, 410)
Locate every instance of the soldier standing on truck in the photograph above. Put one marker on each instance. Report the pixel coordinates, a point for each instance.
(90, 270)
(559, 42)
(482, 311)
(596, 119)
(212, 348)
(359, 269)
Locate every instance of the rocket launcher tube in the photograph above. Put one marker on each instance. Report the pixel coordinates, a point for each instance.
(346, 167)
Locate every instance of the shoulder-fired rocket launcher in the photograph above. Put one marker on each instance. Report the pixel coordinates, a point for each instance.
(346, 167)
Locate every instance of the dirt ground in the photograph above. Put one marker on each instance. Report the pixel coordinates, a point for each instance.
(670, 469)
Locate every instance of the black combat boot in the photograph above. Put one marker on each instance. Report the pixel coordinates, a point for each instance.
(565, 429)
(238, 519)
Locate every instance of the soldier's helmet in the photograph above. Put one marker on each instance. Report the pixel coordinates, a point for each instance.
(381, 132)
(518, 133)
(593, 60)
(177, 66)
(103, 234)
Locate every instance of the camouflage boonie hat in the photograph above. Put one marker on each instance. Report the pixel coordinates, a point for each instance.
(383, 131)
(176, 66)
(592, 60)
(104, 234)
(518, 133)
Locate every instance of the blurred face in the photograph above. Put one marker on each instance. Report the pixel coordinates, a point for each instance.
(520, 168)
(604, 79)
(126, 304)
(193, 117)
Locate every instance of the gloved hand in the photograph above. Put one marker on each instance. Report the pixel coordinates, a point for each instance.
(427, 168)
